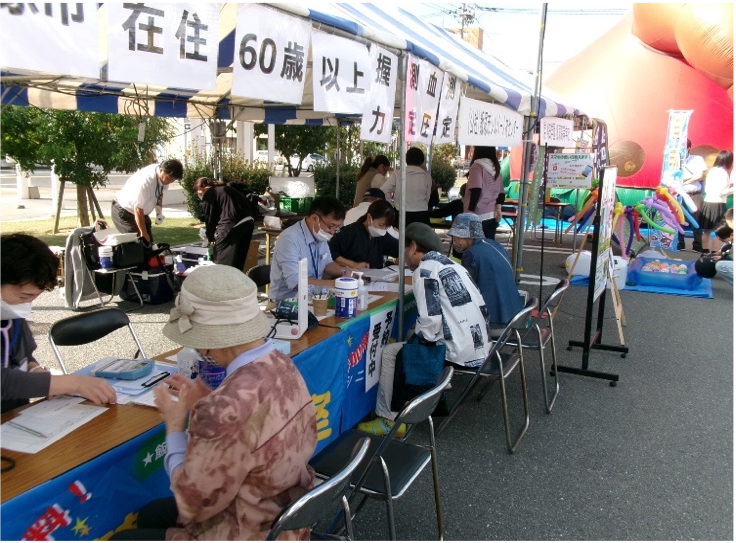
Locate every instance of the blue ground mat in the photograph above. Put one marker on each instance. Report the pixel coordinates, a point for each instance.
(704, 290)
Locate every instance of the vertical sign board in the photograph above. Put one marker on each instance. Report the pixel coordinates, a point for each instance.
(675, 150)
(423, 89)
(378, 110)
(271, 51)
(447, 117)
(169, 45)
(480, 123)
(606, 201)
(51, 38)
(341, 74)
(379, 335)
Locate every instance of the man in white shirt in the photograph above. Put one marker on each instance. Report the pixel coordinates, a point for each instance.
(418, 188)
(370, 196)
(142, 192)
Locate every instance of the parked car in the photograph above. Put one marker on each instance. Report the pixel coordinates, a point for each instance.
(309, 162)
(262, 156)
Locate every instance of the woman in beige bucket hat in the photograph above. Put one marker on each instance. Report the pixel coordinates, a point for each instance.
(246, 454)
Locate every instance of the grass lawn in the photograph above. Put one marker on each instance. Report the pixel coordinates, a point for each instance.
(172, 231)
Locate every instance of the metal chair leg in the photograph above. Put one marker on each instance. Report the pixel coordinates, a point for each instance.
(436, 482)
(513, 445)
(554, 370)
(389, 501)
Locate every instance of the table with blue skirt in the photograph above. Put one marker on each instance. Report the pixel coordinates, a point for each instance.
(92, 482)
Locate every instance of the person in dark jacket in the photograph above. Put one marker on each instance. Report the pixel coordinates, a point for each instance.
(365, 243)
(489, 266)
(228, 219)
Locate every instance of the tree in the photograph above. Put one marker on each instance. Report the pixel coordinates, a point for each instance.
(297, 140)
(84, 147)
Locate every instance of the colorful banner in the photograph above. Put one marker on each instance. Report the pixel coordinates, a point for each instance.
(378, 109)
(325, 377)
(675, 148)
(341, 74)
(50, 37)
(480, 123)
(423, 89)
(447, 117)
(94, 499)
(271, 52)
(169, 45)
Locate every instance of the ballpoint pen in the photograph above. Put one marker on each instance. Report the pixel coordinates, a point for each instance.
(155, 379)
(26, 429)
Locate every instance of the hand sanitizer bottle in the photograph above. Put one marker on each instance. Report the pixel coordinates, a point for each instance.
(362, 292)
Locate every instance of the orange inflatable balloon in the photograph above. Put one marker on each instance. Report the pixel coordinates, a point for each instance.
(654, 24)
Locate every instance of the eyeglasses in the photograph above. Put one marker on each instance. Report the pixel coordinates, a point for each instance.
(330, 227)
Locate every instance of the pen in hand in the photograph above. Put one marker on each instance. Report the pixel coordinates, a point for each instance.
(155, 379)
(26, 429)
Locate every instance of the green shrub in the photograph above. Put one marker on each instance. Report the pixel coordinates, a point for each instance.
(234, 170)
(324, 182)
(443, 173)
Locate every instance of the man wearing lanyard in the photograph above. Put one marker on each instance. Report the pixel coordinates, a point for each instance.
(28, 268)
(142, 192)
(306, 239)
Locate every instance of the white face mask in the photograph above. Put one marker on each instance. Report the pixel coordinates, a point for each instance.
(16, 311)
(374, 231)
(321, 234)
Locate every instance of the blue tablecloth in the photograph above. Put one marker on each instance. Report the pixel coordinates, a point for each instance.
(103, 495)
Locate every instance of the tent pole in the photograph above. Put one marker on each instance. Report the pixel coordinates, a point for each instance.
(529, 124)
(401, 163)
(337, 165)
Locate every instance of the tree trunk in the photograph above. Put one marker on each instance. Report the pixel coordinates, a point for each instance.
(82, 205)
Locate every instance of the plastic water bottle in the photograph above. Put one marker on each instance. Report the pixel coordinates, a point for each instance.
(188, 362)
(362, 292)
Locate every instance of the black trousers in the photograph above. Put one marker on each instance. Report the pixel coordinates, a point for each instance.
(125, 223)
(233, 248)
(154, 519)
(417, 216)
(489, 228)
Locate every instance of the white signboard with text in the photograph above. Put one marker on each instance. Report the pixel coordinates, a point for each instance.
(341, 74)
(570, 171)
(379, 335)
(480, 123)
(449, 102)
(169, 45)
(423, 89)
(556, 132)
(51, 38)
(607, 202)
(271, 52)
(378, 109)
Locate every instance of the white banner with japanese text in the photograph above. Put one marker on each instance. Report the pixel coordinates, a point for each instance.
(423, 89)
(447, 117)
(52, 38)
(341, 74)
(570, 171)
(480, 123)
(379, 335)
(556, 132)
(271, 51)
(169, 45)
(378, 110)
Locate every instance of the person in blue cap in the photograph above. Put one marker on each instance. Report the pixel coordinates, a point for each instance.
(489, 265)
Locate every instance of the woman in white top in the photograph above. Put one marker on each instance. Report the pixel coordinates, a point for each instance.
(718, 186)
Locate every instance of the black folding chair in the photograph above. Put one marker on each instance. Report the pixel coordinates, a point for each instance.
(393, 465)
(499, 365)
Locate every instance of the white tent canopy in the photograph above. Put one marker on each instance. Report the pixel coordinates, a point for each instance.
(487, 78)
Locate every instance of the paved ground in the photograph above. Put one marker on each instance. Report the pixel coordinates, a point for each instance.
(651, 459)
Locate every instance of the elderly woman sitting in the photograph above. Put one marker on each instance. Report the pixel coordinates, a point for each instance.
(246, 454)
